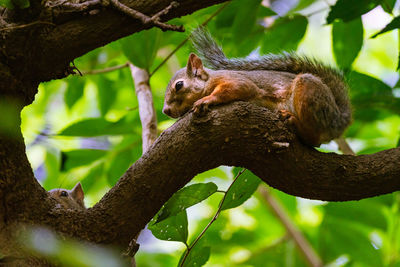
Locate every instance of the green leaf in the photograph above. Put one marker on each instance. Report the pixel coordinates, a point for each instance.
(21, 3)
(74, 90)
(349, 10)
(302, 4)
(119, 164)
(174, 228)
(106, 94)
(347, 46)
(338, 237)
(7, 4)
(285, 34)
(185, 198)
(75, 158)
(245, 48)
(52, 165)
(226, 18)
(394, 24)
(92, 177)
(388, 5)
(241, 190)
(141, 48)
(97, 127)
(366, 212)
(197, 257)
(265, 12)
(245, 20)
(370, 96)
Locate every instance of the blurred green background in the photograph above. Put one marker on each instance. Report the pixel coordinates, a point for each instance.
(87, 129)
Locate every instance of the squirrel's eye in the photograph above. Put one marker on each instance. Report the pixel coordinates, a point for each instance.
(64, 193)
(179, 85)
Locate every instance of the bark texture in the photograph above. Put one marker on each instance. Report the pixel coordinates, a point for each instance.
(39, 44)
(239, 134)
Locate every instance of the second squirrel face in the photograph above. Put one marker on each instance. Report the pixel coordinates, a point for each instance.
(69, 199)
(185, 88)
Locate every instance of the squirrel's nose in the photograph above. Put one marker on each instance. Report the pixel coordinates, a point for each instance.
(167, 111)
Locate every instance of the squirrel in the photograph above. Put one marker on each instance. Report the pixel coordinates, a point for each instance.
(69, 199)
(311, 95)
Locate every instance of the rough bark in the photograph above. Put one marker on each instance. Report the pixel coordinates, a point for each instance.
(38, 44)
(240, 134)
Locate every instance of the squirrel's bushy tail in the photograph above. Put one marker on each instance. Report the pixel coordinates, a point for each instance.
(214, 58)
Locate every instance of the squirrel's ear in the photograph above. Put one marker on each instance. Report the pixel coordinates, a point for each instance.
(195, 67)
(77, 192)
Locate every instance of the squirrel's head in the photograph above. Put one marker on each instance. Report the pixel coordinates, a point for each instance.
(185, 88)
(69, 199)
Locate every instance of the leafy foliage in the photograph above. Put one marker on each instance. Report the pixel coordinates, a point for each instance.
(141, 48)
(347, 11)
(186, 198)
(198, 257)
(173, 228)
(90, 132)
(284, 35)
(345, 54)
(241, 190)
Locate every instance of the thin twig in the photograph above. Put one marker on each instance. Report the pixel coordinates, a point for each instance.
(311, 256)
(146, 20)
(189, 248)
(187, 38)
(165, 59)
(147, 112)
(165, 11)
(344, 146)
(106, 69)
(78, 7)
(27, 25)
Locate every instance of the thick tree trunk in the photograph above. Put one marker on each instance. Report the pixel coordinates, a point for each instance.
(38, 44)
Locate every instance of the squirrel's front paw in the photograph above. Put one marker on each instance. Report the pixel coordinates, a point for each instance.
(200, 107)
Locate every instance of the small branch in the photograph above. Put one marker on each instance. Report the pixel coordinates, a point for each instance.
(302, 243)
(105, 70)
(187, 38)
(189, 248)
(147, 112)
(344, 146)
(27, 25)
(79, 7)
(165, 11)
(146, 20)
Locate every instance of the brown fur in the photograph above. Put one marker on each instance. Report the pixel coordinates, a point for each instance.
(69, 199)
(305, 98)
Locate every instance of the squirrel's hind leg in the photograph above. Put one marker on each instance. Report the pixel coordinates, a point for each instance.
(315, 108)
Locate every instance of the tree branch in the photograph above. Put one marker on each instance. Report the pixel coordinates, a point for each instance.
(147, 112)
(239, 134)
(304, 246)
(43, 51)
(146, 20)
